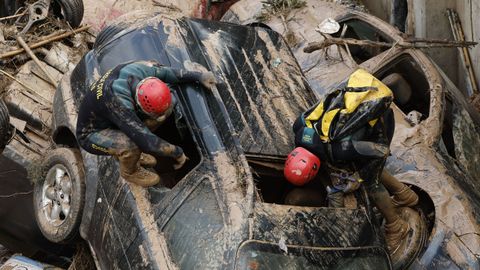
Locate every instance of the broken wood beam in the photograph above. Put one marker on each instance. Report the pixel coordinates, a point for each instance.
(459, 35)
(314, 46)
(169, 6)
(36, 60)
(13, 16)
(439, 41)
(45, 41)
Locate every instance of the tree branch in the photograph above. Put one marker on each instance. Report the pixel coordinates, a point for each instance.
(418, 43)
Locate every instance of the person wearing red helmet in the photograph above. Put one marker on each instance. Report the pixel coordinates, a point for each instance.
(301, 166)
(350, 131)
(117, 116)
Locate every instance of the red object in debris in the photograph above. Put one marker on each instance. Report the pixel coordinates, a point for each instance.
(153, 96)
(301, 166)
(212, 11)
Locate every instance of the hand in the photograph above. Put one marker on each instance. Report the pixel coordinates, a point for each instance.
(346, 182)
(208, 80)
(180, 161)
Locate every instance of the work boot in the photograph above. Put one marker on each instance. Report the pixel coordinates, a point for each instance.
(147, 160)
(132, 172)
(395, 233)
(142, 177)
(402, 194)
(405, 197)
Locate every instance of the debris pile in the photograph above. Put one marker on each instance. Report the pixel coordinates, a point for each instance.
(34, 56)
(46, 38)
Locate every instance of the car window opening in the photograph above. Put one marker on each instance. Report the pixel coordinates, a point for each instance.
(410, 87)
(272, 186)
(460, 136)
(447, 132)
(176, 131)
(357, 29)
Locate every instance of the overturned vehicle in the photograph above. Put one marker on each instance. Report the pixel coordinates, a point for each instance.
(225, 209)
(434, 148)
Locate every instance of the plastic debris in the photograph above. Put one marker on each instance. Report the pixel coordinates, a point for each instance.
(277, 62)
(328, 26)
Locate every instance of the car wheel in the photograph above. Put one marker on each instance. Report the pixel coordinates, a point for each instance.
(8, 7)
(6, 130)
(70, 10)
(59, 195)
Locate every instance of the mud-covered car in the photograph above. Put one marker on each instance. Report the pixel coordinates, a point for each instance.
(25, 129)
(436, 141)
(225, 209)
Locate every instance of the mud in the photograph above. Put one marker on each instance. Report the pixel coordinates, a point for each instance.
(272, 71)
(156, 244)
(451, 211)
(229, 174)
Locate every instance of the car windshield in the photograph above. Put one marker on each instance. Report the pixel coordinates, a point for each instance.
(260, 255)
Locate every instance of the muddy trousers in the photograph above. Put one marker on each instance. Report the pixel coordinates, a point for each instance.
(116, 143)
(371, 171)
(107, 142)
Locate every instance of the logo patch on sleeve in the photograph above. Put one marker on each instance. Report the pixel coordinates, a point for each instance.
(307, 136)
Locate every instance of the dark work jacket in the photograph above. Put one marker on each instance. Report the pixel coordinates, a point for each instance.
(110, 104)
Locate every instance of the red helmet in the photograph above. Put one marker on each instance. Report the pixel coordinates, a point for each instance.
(153, 96)
(301, 166)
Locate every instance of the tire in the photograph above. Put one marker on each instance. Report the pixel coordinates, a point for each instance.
(9, 7)
(70, 10)
(119, 24)
(6, 131)
(58, 203)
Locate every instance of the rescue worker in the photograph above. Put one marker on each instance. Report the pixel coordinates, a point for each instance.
(116, 113)
(350, 131)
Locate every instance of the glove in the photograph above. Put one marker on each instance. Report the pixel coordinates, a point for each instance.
(180, 161)
(208, 80)
(351, 186)
(345, 182)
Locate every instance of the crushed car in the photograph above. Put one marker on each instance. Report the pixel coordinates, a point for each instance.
(437, 131)
(225, 209)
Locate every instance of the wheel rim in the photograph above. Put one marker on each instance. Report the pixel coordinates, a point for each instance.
(56, 195)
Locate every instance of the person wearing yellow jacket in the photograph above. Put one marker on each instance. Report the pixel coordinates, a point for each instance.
(350, 131)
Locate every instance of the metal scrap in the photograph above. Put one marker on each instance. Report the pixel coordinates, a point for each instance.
(37, 11)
